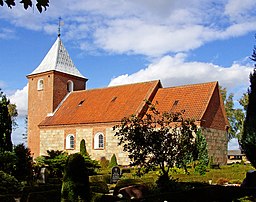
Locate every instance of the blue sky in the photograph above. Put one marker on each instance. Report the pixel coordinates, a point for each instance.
(116, 42)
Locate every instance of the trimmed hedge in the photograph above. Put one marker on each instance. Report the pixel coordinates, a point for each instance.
(42, 188)
(7, 198)
(99, 187)
(45, 196)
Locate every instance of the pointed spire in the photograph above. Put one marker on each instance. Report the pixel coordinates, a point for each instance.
(58, 59)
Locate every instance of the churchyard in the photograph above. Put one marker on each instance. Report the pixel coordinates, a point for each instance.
(110, 182)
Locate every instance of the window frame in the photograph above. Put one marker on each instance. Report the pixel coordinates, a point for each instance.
(70, 142)
(99, 141)
(40, 84)
(70, 86)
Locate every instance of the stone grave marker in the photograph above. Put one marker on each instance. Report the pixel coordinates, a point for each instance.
(116, 174)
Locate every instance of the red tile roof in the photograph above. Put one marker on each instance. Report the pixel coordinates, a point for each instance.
(103, 105)
(194, 99)
(201, 102)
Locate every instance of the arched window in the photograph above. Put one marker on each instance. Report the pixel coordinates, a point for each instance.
(40, 84)
(99, 141)
(70, 141)
(70, 86)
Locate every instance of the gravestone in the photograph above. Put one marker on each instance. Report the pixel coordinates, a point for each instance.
(115, 174)
(43, 176)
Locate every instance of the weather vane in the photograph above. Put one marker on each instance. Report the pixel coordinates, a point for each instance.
(61, 23)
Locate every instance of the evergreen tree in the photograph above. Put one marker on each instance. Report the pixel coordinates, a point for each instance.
(75, 185)
(25, 134)
(248, 141)
(23, 167)
(113, 161)
(83, 150)
(5, 124)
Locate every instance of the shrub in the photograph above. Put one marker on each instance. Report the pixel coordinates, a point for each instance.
(75, 186)
(100, 178)
(104, 163)
(7, 198)
(23, 167)
(126, 170)
(45, 196)
(113, 161)
(9, 184)
(83, 150)
(7, 161)
(99, 187)
(42, 188)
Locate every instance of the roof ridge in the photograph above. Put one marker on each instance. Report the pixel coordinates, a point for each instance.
(121, 85)
(194, 84)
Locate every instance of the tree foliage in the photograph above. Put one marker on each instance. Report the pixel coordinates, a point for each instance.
(158, 139)
(5, 124)
(113, 161)
(55, 161)
(7, 161)
(200, 155)
(248, 141)
(91, 164)
(235, 116)
(75, 185)
(23, 166)
(41, 4)
(83, 150)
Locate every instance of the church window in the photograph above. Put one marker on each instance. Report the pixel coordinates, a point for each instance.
(70, 86)
(99, 141)
(40, 84)
(70, 142)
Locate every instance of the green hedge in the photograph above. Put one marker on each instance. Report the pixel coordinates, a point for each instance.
(45, 196)
(100, 178)
(42, 188)
(7, 198)
(99, 187)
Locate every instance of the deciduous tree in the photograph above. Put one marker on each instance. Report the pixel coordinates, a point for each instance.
(159, 139)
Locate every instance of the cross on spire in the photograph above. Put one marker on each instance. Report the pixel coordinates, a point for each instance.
(60, 23)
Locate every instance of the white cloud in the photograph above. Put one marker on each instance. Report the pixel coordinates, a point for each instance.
(20, 98)
(176, 70)
(147, 27)
(6, 33)
(238, 10)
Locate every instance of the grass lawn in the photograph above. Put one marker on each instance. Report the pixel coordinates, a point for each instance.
(233, 174)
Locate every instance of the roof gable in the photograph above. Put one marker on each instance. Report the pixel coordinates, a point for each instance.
(193, 99)
(103, 105)
(58, 59)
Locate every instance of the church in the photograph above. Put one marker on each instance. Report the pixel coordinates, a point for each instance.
(62, 112)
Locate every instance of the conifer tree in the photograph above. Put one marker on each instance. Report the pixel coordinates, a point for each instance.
(75, 185)
(113, 161)
(248, 141)
(5, 124)
(83, 150)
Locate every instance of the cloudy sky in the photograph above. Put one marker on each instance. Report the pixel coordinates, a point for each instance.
(125, 41)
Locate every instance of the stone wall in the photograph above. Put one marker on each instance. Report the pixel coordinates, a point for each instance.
(54, 139)
(217, 143)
